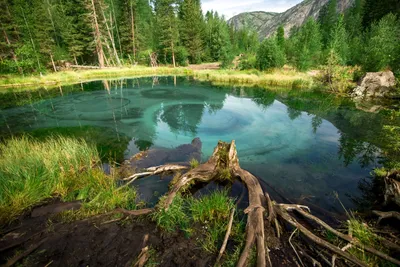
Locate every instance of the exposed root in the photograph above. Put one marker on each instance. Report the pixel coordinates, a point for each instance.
(224, 161)
(385, 215)
(289, 219)
(228, 233)
(154, 171)
(294, 249)
(142, 258)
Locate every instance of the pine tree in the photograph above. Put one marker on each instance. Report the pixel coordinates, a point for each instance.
(339, 41)
(167, 27)
(307, 45)
(280, 37)
(77, 31)
(327, 19)
(192, 28)
(269, 55)
(353, 23)
(382, 48)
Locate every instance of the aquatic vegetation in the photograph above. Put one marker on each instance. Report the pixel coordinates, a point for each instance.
(32, 172)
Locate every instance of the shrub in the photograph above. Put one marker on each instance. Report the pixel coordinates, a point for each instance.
(269, 55)
(248, 62)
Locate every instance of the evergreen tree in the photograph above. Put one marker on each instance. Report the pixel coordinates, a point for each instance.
(375, 10)
(382, 48)
(306, 46)
(192, 28)
(280, 37)
(269, 55)
(217, 37)
(167, 27)
(327, 19)
(353, 22)
(77, 31)
(339, 41)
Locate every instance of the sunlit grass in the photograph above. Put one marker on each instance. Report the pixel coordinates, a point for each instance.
(274, 78)
(32, 172)
(66, 77)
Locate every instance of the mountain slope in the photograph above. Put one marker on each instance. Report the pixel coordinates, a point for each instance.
(266, 23)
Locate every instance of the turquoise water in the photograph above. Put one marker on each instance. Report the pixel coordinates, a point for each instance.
(304, 145)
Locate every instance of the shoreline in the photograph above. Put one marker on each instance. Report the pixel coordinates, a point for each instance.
(276, 78)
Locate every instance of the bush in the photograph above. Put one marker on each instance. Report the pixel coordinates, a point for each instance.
(248, 62)
(338, 78)
(269, 55)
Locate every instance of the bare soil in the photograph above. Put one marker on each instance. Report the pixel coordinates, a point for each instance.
(103, 241)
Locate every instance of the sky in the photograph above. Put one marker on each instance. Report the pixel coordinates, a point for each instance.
(230, 8)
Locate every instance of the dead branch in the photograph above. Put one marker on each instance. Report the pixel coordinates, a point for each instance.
(289, 219)
(143, 257)
(153, 171)
(352, 240)
(228, 233)
(294, 249)
(385, 215)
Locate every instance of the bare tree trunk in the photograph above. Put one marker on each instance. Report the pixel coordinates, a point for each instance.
(97, 36)
(76, 61)
(52, 62)
(14, 57)
(111, 38)
(133, 32)
(173, 54)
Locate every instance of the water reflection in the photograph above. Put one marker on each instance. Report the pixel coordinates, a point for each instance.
(307, 144)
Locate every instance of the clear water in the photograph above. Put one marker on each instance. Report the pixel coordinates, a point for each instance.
(304, 145)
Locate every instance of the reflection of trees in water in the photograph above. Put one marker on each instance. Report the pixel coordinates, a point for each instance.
(293, 113)
(350, 149)
(183, 118)
(316, 123)
(263, 98)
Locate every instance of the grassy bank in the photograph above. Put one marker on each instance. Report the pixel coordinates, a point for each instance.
(33, 172)
(68, 77)
(275, 78)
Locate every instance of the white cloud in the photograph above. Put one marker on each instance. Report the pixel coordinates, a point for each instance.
(230, 8)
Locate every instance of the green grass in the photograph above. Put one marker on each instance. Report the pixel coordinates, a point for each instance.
(194, 163)
(367, 237)
(68, 77)
(174, 218)
(207, 216)
(275, 78)
(33, 172)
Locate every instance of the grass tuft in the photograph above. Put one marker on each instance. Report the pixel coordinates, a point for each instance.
(32, 172)
(194, 163)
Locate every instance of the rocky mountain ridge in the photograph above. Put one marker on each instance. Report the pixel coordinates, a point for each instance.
(266, 23)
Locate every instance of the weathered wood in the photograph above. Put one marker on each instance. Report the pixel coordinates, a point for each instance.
(227, 234)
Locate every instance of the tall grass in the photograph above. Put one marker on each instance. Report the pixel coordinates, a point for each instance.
(275, 78)
(65, 77)
(32, 172)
